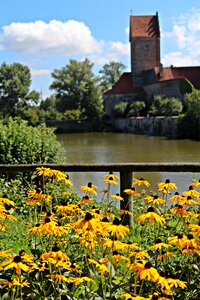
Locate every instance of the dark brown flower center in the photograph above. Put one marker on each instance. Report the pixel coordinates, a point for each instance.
(17, 259)
(148, 265)
(167, 181)
(190, 236)
(88, 216)
(116, 221)
(150, 209)
(47, 220)
(89, 184)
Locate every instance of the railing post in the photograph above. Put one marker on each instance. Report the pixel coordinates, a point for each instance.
(126, 179)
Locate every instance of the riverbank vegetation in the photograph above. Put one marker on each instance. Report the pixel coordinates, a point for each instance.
(62, 242)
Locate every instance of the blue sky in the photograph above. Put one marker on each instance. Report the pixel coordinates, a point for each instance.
(45, 34)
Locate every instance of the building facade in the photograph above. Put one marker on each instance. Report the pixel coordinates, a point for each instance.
(148, 76)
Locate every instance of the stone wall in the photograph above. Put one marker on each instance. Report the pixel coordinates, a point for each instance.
(169, 88)
(160, 126)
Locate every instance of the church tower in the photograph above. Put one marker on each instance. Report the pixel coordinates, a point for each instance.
(145, 45)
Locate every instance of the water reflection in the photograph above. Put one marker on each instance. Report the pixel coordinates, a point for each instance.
(121, 147)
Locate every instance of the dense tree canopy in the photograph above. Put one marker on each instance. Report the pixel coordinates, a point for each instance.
(76, 87)
(111, 72)
(15, 80)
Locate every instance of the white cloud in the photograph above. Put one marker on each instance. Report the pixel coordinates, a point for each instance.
(112, 51)
(178, 59)
(40, 72)
(53, 38)
(186, 36)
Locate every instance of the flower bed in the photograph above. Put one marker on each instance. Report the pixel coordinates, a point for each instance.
(76, 246)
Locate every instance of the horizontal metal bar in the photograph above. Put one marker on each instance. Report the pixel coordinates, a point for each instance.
(117, 167)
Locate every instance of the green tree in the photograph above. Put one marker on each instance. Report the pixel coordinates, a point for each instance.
(15, 80)
(189, 123)
(76, 87)
(111, 72)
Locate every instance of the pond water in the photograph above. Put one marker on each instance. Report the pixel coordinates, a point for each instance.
(104, 148)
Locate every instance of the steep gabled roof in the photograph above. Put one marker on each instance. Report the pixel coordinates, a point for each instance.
(190, 73)
(124, 86)
(144, 26)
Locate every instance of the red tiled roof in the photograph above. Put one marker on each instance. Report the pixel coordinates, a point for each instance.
(144, 26)
(190, 73)
(124, 86)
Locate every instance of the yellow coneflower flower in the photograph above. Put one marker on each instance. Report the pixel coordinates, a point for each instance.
(145, 271)
(79, 280)
(7, 202)
(141, 182)
(132, 296)
(85, 200)
(100, 266)
(178, 240)
(151, 216)
(5, 253)
(166, 186)
(88, 222)
(118, 257)
(163, 282)
(188, 201)
(47, 172)
(89, 189)
(176, 197)
(154, 200)
(116, 229)
(110, 175)
(179, 210)
(176, 282)
(196, 183)
(68, 208)
(190, 241)
(139, 254)
(39, 196)
(157, 296)
(118, 245)
(17, 281)
(110, 180)
(125, 212)
(159, 245)
(117, 197)
(164, 254)
(17, 264)
(46, 227)
(191, 192)
(88, 240)
(195, 229)
(55, 256)
(132, 192)
(64, 178)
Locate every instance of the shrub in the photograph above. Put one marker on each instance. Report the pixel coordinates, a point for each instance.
(72, 114)
(135, 108)
(23, 144)
(119, 109)
(162, 106)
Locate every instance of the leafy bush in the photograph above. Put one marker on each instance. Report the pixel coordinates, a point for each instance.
(162, 106)
(72, 114)
(135, 108)
(119, 109)
(23, 144)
